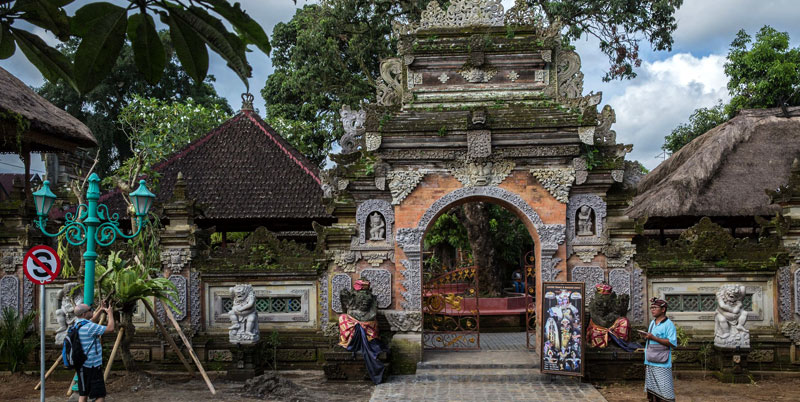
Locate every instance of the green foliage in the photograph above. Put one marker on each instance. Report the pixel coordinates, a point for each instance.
(104, 27)
(16, 341)
(683, 337)
(509, 235)
(68, 269)
(127, 283)
(765, 74)
(99, 109)
(701, 120)
(447, 230)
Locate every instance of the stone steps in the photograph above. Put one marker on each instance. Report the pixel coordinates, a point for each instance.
(480, 375)
(482, 366)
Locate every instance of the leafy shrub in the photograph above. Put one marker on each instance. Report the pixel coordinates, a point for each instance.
(16, 343)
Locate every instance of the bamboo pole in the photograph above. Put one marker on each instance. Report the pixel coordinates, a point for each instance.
(50, 371)
(113, 353)
(169, 338)
(189, 348)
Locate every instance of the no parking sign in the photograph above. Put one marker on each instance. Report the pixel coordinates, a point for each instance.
(41, 264)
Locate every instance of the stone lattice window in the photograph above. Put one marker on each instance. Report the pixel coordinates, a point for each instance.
(700, 302)
(270, 304)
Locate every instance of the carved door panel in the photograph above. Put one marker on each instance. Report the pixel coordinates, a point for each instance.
(530, 300)
(451, 319)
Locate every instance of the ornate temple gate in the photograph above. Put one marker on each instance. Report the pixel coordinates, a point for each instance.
(530, 300)
(451, 316)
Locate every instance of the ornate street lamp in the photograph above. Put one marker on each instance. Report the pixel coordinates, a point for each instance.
(92, 224)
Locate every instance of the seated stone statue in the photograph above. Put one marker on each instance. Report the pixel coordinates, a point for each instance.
(377, 229)
(607, 311)
(729, 330)
(65, 315)
(585, 221)
(243, 315)
(361, 307)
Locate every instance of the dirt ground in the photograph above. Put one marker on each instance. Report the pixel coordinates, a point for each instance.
(311, 386)
(711, 390)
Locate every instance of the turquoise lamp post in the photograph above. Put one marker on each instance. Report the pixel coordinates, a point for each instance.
(91, 224)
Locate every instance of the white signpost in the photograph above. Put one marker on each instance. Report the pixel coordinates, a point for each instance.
(42, 266)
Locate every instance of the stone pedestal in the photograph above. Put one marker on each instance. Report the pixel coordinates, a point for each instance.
(732, 365)
(406, 350)
(341, 365)
(246, 362)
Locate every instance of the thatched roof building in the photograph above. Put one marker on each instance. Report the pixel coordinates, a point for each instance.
(724, 172)
(51, 129)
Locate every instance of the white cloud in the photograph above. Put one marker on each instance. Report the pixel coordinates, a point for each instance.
(663, 96)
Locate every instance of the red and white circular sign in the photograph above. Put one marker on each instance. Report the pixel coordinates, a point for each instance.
(41, 265)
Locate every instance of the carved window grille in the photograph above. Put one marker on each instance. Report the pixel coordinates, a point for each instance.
(270, 304)
(700, 302)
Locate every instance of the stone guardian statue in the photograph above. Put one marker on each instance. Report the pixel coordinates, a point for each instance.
(585, 221)
(377, 228)
(729, 330)
(65, 315)
(243, 315)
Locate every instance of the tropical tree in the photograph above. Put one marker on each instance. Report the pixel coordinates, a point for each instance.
(701, 120)
(16, 338)
(99, 109)
(124, 284)
(104, 27)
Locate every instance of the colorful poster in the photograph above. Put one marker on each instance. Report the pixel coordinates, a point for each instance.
(562, 328)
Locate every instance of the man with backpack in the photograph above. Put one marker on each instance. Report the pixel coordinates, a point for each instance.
(90, 373)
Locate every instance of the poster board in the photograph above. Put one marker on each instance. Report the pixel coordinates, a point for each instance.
(562, 328)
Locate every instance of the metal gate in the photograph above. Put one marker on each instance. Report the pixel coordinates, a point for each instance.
(530, 300)
(451, 320)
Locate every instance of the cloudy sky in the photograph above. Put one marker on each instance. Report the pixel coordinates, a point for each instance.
(669, 86)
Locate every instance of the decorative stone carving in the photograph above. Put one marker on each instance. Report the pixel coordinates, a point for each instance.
(344, 259)
(512, 76)
(463, 13)
(570, 77)
(557, 181)
(402, 183)
(785, 293)
(418, 154)
(617, 175)
(598, 238)
(604, 135)
(485, 173)
(475, 75)
(372, 141)
(549, 270)
(366, 210)
(9, 293)
(375, 258)
(194, 299)
(409, 239)
(618, 253)
(443, 78)
(377, 227)
(339, 282)
(542, 76)
(243, 315)
(220, 355)
(27, 297)
(414, 79)
(586, 254)
(536, 151)
(353, 122)
(637, 296)
(585, 224)
(359, 303)
(390, 87)
(791, 330)
(479, 143)
(522, 14)
(796, 291)
(180, 283)
(65, 315)
(323, 300)
(381, 285)
(589, 275)
(547, 55)
(729, 330)
(404, 321)
(413, 285)
(11, 258)
(620, 280)
(175, 259)
(586, 134)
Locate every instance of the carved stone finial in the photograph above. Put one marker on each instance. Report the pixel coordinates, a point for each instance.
(353, 122)
(247, 101)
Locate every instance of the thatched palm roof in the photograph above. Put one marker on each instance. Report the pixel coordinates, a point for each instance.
(725, 171)
(51, 128)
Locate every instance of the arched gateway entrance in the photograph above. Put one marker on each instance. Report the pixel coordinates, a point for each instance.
(451, 301)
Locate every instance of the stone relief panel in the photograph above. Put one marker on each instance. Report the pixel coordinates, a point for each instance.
(586, 214)
(557, 181)
(620, 281)
(27, 297)
(570, 77)
(343, 259)
(619, 253)
(175, 259)
(194, 300)
(785, 293)
(586, 134)
(463, 13)
(389, 84)
(402, 183)
(9, 292)
(487, 173)
(479, 143)
(796, 291)
(381, 285)
(323, 299)
(353, 122)
(549, 270)
(279, 305)
(339, 282)
(591, 276)
(372, 141)
(11, 258)
(412, 284)
(410, 239)
(637, 295)
(404, 321)
(180, 283)
(365, 221)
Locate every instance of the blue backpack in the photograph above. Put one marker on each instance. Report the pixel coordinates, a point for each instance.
(72, 352)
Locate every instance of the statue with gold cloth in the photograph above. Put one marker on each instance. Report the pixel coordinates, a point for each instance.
(358, 327)
(607, 311)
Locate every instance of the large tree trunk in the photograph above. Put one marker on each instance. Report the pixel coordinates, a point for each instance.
(475, 218)
(126, 321)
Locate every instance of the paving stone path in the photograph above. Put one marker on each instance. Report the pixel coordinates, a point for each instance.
(483, 376)
(503, 341)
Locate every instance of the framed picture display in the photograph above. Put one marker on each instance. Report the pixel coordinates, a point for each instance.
(562, 328)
